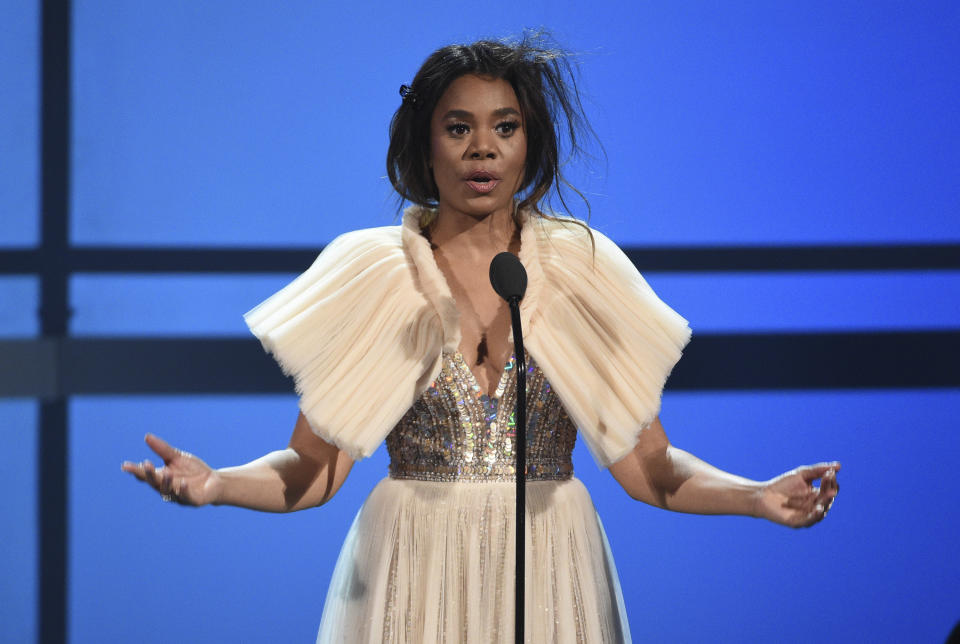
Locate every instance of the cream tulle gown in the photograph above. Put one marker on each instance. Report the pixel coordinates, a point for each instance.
(430, 556)
(370, 334)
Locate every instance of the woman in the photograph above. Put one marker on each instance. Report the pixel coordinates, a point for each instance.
(395, 333)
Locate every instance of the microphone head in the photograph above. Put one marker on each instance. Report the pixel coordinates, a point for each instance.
(508, 276)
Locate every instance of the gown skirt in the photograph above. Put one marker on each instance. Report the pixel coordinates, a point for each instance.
(433, 561)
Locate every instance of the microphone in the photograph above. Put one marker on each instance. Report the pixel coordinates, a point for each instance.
(509, 279)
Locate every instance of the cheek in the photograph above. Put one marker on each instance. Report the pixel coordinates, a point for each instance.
(436, 148)
(521, 161)
(439, 158)
(520, 152)
(521, 165)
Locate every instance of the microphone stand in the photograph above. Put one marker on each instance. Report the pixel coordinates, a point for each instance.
(520, 428)
(509, 280)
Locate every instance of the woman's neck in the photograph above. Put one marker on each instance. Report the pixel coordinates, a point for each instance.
(473, 236)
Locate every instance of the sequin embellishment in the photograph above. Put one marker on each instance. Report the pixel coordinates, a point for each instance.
(455, 432)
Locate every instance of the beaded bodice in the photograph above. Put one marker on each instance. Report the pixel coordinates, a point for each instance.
(456, 432)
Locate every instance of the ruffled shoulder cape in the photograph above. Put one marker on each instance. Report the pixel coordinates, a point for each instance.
(363, 330)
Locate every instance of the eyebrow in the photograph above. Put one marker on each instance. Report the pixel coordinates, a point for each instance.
(464, 114)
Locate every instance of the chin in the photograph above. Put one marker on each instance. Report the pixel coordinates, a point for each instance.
(483, 206)
(478, 206)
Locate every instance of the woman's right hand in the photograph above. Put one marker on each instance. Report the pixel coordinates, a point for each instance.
(184, 478)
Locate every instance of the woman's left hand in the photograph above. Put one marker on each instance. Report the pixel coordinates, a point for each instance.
(792, 500)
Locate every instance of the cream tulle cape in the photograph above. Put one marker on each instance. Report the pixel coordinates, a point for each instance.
(374, 313)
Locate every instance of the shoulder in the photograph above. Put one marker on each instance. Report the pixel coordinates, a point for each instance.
(384, 238)
(354, 321)
(353, 262)
(363, 250)
(562, 240)
(561, 227)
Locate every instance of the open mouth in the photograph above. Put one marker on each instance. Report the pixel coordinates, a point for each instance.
(482, 181)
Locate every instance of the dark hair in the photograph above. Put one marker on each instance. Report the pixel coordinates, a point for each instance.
(544, 81)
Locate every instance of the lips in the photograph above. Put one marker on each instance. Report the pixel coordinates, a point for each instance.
(482, 181)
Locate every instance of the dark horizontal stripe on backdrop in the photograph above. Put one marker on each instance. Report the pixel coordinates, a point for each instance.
(294, 260)
(77, 366)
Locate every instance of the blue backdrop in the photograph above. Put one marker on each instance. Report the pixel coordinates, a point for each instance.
(258, 124)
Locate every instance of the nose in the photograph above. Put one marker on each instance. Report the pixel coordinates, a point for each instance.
(481, 147)
(483, 154)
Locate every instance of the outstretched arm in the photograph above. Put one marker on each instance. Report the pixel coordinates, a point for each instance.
(660, 474)
(305, 474)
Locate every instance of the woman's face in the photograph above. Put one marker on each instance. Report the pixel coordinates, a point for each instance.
(477, 146)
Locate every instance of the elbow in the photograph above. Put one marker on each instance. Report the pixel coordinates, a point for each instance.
(648, 495)
(641, 487)
(325, 480)
(640, 476)
(634, 493)
(330, 487)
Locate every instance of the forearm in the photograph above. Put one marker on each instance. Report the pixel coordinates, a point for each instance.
(660, 474)
(281, 481)
(684, 483)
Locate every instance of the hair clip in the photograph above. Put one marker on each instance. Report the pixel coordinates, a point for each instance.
(409, 96)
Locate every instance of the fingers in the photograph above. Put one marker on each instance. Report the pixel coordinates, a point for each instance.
(163, 449)
(144, 471)
(829, 488)
(800, 495)
(133, 468)
(162, 480)
(157, 478)
(793, 498)
(824, 499)
(806, 517)
(173, 479)
(813, 472)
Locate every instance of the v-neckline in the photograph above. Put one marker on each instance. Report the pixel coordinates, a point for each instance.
(508, 368)
(508, 365)
(434, 286)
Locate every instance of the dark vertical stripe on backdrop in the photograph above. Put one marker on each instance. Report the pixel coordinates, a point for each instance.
(55, 18)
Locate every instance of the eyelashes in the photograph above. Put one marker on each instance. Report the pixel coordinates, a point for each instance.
(503, 128)
(512, 126)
